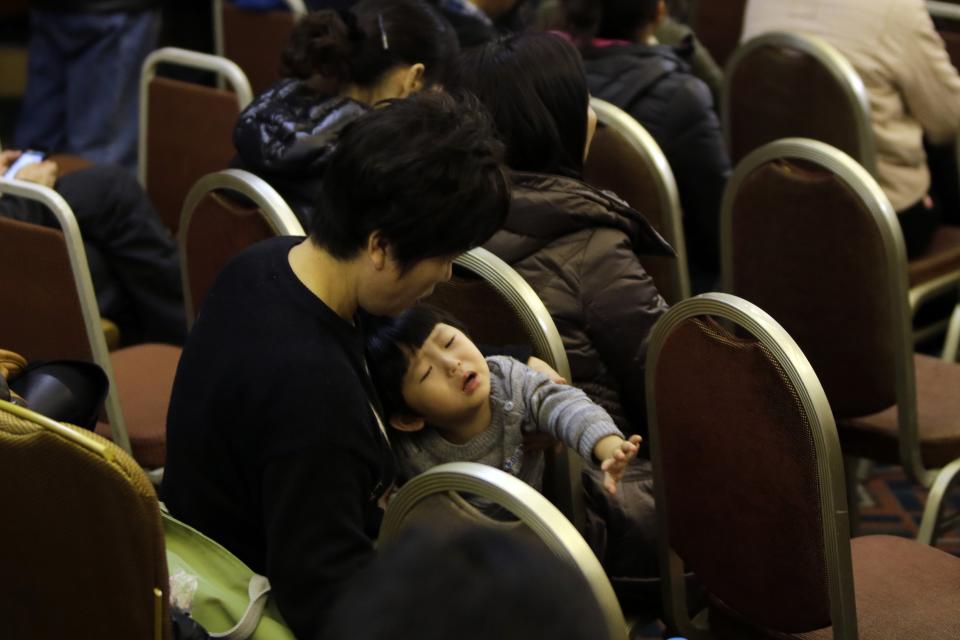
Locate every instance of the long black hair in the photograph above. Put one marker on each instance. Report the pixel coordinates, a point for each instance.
(535, 88)
(357, 45)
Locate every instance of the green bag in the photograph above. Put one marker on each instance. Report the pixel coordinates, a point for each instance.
(230, 600)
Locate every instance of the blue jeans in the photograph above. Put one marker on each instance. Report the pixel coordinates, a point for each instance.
(83, 84)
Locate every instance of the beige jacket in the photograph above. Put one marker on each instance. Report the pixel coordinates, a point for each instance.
(913, 87)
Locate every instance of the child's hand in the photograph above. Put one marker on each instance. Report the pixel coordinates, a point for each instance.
(615, 454)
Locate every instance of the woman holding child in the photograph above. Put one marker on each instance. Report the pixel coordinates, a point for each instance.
(275, 448)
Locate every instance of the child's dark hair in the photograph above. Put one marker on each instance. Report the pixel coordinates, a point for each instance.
(536, 90)
(426, 172)
(390, 343)
(357, 45)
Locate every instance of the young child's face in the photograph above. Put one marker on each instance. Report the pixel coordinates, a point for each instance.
(447, 380)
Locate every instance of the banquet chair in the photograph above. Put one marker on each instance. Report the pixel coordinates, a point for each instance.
(750, 494)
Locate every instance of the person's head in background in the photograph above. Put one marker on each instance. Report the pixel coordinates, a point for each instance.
(474, 585)
(376, 50)
(535, 88)
(630, 20)
(409, 187)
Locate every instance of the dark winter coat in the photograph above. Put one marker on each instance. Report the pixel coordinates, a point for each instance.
(286, 136)
(655, 86)
(581, 249)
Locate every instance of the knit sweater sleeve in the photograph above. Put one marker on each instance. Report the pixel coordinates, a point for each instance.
(562, 411)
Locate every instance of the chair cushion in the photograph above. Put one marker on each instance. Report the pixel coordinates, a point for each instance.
(144, 378)
(941, 257)
(938, 408)
(904, 591)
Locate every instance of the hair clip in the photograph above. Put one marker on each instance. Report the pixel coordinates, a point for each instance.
(383, 33)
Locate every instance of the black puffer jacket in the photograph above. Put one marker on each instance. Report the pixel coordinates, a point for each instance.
(286, 135)
(655, 85)
(580, 249)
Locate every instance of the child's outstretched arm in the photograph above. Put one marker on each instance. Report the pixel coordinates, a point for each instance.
(614, 454)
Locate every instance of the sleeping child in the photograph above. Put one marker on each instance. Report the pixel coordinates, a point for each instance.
(453, 405)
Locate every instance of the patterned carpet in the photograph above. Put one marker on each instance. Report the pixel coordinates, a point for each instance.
(898, 506)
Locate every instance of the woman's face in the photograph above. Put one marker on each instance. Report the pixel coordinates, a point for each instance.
(591, 129)
(396, 289)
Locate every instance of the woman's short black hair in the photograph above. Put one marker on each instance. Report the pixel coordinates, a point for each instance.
(425, 171)
(536, 90)
(357, 45)
(610, 19)
(390, 343)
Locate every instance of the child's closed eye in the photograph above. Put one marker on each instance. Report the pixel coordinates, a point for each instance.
(426, 373)
(450, 341)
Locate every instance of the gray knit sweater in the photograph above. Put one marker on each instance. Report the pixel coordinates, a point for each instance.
(522, 401)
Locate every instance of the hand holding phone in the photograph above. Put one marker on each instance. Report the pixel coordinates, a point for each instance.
(26, 158)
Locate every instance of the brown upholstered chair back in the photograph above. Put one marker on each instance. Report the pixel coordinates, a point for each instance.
(186, 129)
(190, 134)
(747, 473)
(483, 311)
(802, 241)
(255, 40)
(82, 544)
(224, 213)
(43, 319)
(781, 85)
(626, 160)
(718, 24)
(224, 227)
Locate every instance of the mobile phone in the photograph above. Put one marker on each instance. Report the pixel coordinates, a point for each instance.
(27, 157)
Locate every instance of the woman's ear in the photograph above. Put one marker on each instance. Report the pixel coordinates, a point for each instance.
(377, 250)
(407, 422)
(413, 79)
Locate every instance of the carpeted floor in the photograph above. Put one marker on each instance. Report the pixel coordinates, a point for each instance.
(898, 506)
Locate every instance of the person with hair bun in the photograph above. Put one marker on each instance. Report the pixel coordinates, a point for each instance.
(336, 65)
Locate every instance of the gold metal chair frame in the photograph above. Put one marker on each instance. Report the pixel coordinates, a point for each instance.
(529, 507)
(952, 343)
(274, 209)
(858, 180)
(226, 70)
(77, 255)
(667, 193)
(830, 471)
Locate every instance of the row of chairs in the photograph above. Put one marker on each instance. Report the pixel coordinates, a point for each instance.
(785, 566)
(110, 578)
(783, 85)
